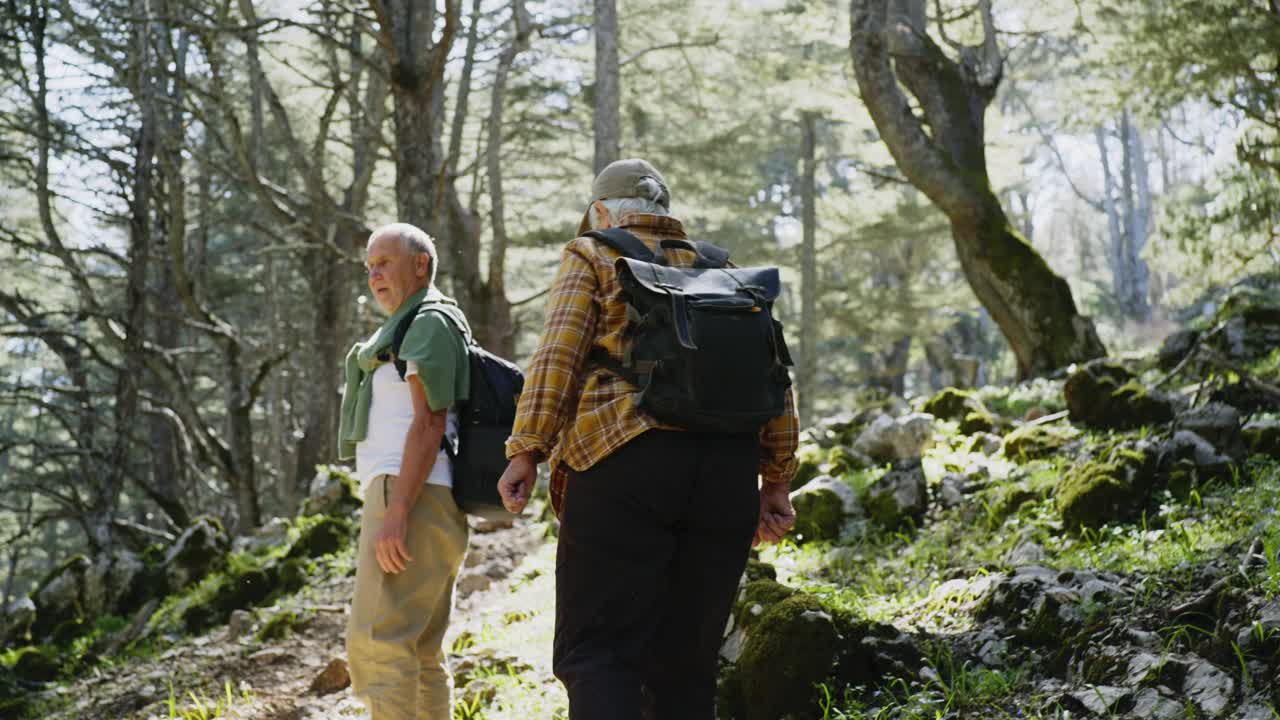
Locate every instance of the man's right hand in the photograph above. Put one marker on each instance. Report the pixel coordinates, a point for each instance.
(777, 517)
(516, 484)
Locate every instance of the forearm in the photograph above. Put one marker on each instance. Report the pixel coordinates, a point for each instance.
(778, 442)
(421, 447)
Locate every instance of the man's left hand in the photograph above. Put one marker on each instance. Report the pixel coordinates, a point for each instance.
(393, 554)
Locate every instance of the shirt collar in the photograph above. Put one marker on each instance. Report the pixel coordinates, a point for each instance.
(658, 224)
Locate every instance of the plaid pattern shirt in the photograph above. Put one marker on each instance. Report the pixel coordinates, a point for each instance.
(573, 414)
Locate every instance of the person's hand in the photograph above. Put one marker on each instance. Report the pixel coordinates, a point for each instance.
(516, 484)
(393, 554)
(777, 517)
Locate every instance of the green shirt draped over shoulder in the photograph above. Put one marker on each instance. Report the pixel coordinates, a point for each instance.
(434, 343)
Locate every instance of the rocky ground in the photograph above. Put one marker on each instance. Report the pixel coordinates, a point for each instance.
(1101, 544)
(500, 645)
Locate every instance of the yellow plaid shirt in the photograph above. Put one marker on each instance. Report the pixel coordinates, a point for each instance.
(572, 414)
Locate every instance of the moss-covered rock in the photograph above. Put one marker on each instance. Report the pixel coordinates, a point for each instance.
(794, 645)
(821, 507)
(1113, 485)
(1003, 500)
(795, 642)
(1103, 393)
(60, 597)
(951, 403)
(292, 575)
(843, 459)
(36, 664)
(757, 569)
(756, 598)
(1034, 442)
(278, 627)
(899, 498)
(809, 458)
(1262, 437)
(322, 537)
(964, 407)
(199, 550)
(334, 492)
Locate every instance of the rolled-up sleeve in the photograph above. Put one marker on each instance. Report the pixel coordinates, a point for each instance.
(551, 385)
(778, 441)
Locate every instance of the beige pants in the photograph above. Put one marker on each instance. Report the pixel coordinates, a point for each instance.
(396, 631)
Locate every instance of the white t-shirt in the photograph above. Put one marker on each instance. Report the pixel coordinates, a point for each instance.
(390, 415)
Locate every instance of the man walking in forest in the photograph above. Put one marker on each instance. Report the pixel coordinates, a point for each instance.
(657, 520)
(396, 411)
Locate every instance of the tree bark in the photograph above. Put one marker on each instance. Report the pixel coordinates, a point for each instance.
(417, 63)
(499, 330)
(808, 371)
(606, 115)
(1032, 305)
(1138, 206)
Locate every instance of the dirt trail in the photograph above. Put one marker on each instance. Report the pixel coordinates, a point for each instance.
(500, 642)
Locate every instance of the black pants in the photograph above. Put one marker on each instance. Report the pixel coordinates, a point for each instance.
(653, 540)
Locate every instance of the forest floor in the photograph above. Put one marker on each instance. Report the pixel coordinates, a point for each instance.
(499, 648)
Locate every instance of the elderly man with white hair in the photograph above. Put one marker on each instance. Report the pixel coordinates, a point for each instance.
(412, 534)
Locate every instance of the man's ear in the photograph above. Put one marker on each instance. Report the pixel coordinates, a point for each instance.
(600, 219)
(422, 265)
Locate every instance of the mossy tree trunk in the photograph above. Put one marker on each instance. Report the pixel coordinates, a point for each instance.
(1031, 304)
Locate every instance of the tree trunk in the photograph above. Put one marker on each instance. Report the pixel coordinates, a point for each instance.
(607, 126)
(807, 376)
(417, 62)
(1115, 230)
(500, 332)
(1138, 206)
(1032, 305)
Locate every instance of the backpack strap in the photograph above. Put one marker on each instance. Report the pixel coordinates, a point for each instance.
(402, 329)
(397, 339)
(627, 244)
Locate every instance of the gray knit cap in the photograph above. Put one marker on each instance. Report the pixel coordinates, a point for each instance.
(631, 178)
(625, 178)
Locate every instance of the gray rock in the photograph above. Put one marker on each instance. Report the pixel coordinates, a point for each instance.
(1098, 699)
(274, 532)
(1176, 347)
(1149, 703)
(199, 549)
(1026, 552)
(888, 440)
(1208, 687)
(986, 443)
(1217, 423)
(1255, 710)
(1041, 605)
(239, 625)
(332, 492)
(1262, 437)
(822, 506)
(473, 582)
(951, 490)
(1261, 637)
(899, 497)
(16, 622)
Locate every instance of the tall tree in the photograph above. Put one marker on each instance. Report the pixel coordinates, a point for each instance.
(808, 370)
(607, 126)
(892, 49)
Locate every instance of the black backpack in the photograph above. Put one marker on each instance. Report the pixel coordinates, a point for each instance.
(703, 348)
(484, 423)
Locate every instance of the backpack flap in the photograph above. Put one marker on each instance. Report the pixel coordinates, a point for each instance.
(762, 283)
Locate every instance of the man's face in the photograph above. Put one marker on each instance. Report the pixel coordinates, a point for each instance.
(394, 272)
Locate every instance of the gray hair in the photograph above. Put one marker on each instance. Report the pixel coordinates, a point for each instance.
(618, 207)
(414, 240)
